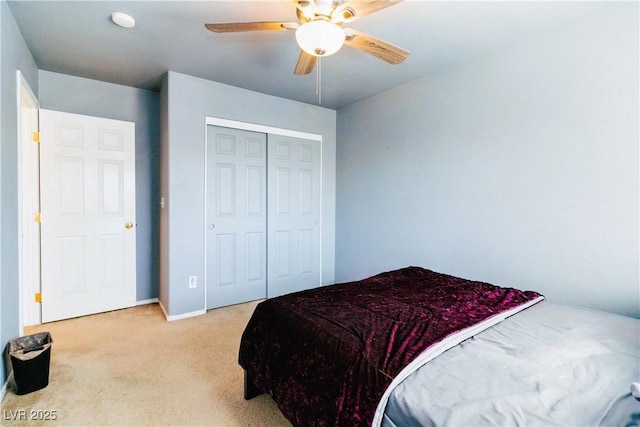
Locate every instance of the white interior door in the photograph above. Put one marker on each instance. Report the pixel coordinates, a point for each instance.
(88, 214)
(294, 215)
(236, 216)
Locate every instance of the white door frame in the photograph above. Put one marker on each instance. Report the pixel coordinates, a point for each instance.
(234, 124)
(28, 252)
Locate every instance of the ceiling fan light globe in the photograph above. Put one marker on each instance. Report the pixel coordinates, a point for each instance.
(320, 38)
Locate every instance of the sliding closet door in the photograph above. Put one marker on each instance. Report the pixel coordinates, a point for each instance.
(236, 216)
(294, 214)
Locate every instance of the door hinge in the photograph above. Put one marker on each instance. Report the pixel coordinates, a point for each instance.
(38, 297)
(36, 137)
(36, 217)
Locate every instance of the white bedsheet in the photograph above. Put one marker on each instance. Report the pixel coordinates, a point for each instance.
(548, 365)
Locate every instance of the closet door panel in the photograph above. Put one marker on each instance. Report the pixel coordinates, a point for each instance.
(294, 213)
(236, 216)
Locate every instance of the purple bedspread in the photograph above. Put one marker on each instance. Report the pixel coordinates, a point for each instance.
(327, 355)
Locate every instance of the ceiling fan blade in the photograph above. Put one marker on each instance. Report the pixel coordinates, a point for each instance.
(354, 9)
(305, 63)
(235, 27)
(376, 47)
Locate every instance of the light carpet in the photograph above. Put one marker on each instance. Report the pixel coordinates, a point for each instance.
(132, 367)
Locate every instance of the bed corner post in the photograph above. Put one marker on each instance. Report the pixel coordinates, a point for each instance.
(250, 389)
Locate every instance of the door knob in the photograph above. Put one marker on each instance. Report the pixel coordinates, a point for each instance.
(128, 225)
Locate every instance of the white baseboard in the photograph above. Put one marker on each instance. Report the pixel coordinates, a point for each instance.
(180, 316)
(147, 301)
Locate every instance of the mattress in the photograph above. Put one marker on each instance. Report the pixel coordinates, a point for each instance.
(547, 365)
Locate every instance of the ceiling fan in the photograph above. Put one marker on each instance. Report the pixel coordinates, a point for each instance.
(319, 30)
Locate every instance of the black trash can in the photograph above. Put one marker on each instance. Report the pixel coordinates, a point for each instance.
(30, 359)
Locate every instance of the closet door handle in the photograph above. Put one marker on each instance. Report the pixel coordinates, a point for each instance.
(212, 226)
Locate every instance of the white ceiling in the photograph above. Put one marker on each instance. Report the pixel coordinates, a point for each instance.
(78, 38)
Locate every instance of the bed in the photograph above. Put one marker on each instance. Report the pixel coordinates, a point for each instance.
(415, 347)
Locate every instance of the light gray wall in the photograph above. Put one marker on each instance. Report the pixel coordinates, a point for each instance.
(77, 95)
(190, 100)
(519, 168)
(14, 55)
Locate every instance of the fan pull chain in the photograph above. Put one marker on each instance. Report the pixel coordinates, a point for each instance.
(319, 80)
